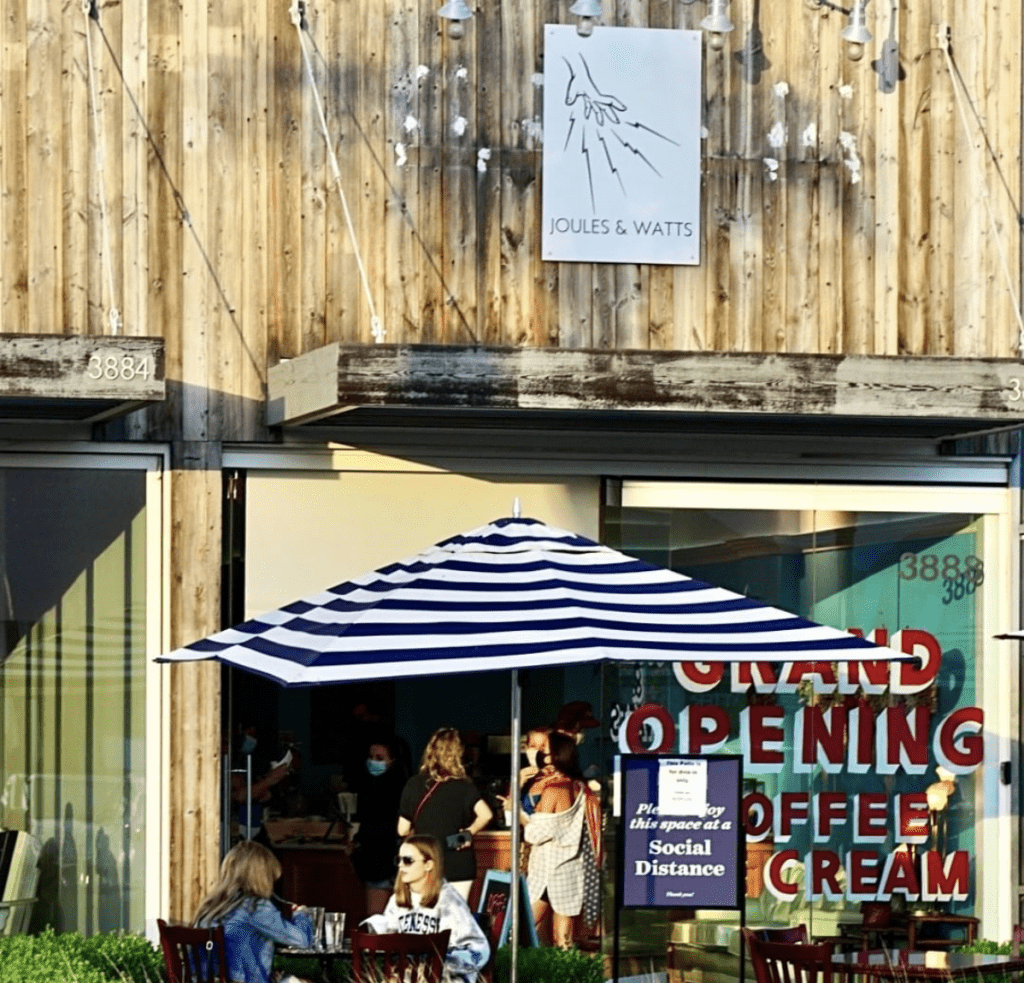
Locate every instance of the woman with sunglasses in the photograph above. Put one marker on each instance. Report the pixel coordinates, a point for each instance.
(425, 903)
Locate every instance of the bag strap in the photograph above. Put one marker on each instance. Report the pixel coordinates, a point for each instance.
(430, 791)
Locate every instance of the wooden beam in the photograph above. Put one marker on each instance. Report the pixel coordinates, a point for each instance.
(124, 368)
(340, 377)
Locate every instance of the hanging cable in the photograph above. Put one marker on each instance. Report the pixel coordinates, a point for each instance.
(376, 328)
(113, 314)
(945, 43)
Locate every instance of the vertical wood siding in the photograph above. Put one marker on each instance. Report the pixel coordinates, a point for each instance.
(869, 233)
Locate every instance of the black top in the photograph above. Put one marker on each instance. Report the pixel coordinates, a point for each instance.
(449, 809)
(377, 839)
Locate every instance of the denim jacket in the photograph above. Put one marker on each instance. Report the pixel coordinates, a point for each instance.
(251, 930)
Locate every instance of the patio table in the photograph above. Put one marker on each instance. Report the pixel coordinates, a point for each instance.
(325, 956)
(907, 964)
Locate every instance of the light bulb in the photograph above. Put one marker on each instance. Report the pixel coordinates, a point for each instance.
(585, 27)
(456, 29)
(716, 41)
(854, 50)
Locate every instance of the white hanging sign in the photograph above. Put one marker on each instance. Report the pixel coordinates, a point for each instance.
(621, 145)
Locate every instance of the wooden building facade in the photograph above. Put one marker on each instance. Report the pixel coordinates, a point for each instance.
(322, 206)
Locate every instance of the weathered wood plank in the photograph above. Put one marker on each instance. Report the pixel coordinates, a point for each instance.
(943, 165)
(313, 188)
(831, 312)
(43, 172)
(197, 295)
(194, 727)
(400, 303)
(165, 232)
(75, 292)
(134, 152)
(253, 315)
(888, 201)
(13, 131)
(426, 134)
(82, 367)
(285, 220)
(224, 244)
(714, 382)
(914, 95)
(372, 188)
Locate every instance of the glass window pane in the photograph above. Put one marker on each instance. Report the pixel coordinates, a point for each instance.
(912, 580)
(72, 688)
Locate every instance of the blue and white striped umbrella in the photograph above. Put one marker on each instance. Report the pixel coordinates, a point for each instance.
(515, 594)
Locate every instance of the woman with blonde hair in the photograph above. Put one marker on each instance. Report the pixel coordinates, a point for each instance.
(440, 801)
(425, 903)
(240, 902)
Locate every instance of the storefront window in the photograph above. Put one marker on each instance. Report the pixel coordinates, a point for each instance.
(891, 739)
(72, 689)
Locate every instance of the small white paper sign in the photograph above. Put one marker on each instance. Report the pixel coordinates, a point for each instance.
(621, 145)
(682, 787)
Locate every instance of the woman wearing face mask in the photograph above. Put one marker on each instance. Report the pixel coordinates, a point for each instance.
(261, 787)
(425, 903)
(379, 791)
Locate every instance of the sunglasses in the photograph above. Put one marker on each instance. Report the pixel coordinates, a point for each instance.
(405, 860)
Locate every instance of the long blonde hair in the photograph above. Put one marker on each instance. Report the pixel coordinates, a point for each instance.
(247, 872)
(429, 849)
(442, 757)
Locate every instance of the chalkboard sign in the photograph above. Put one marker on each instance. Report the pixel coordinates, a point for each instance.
(495, 902)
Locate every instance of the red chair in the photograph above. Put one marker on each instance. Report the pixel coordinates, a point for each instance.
(189, 953)
(391, 957)
(780, 962)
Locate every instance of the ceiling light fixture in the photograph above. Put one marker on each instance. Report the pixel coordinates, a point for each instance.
(455, 12)
(856, 33)
(717, 24)
(588, 11)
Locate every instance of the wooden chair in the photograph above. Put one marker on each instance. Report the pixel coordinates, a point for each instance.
(781, 962)
(189, 953)
(791, 935)
(403, 957)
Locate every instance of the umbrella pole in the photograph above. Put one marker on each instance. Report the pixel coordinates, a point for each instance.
(513, 794)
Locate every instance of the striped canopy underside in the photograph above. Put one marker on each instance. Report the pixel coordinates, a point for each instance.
(516, 594)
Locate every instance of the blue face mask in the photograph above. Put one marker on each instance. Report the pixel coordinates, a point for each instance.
(375, 767)
(248, 744)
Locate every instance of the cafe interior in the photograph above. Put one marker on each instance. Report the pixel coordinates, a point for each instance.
(324, 732)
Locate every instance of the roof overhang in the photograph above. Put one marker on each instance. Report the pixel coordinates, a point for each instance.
(78, 379)
(932, 398)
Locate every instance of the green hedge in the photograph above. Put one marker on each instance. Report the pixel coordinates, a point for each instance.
(550, 965)
(72, 958)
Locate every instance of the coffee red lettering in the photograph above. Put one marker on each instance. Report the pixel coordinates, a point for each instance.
(912, 817)
(870, 810)
(830, 808)
(757, 807)
(790, 808)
